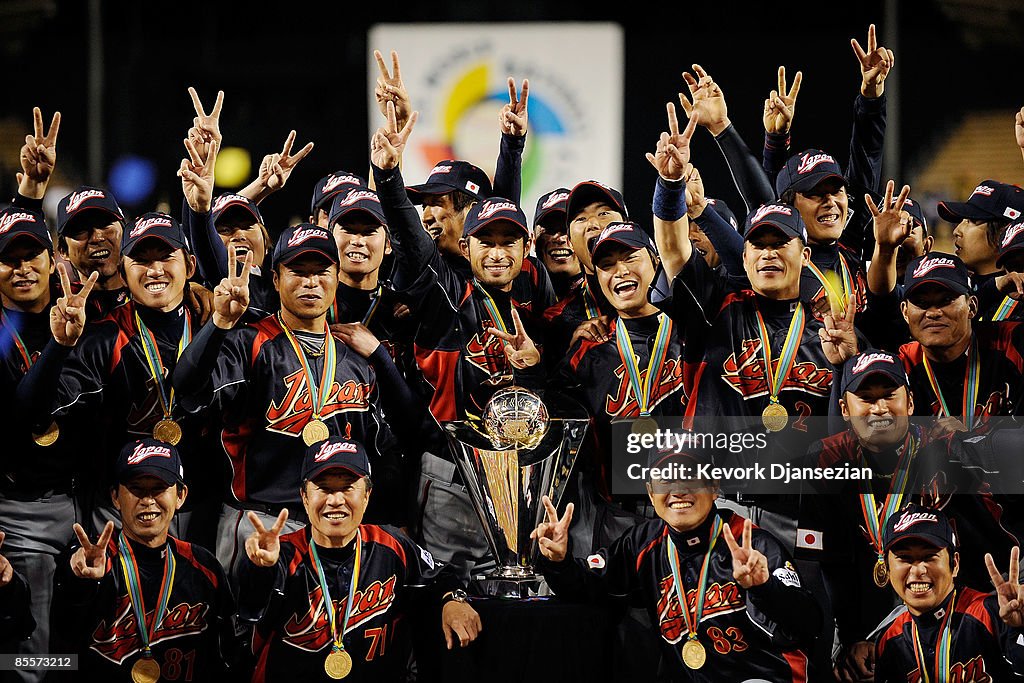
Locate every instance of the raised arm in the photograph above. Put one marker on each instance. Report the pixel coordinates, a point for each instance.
(891, 227)
(708, 101)
(512, 120)
(38, 157)
(275, 169)
(671, 225)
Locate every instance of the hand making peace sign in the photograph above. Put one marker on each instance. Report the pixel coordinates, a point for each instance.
(553, 534)
(780, 107)
(275, 169)
(231, 296)
(39, 155)
(388, 142)
(390, 88)
(67, 316)
(1009, 591)
(208, 125)
(749, 566)
(875, 64)
(264, 546)
(90, 561)
(892, 224)
(513, 116)
(673, 150)
(519, 348)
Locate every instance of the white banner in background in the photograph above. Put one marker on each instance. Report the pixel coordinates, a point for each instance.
(457, 74)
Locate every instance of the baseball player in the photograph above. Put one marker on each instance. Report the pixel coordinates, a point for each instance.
(140, 604)
(330, 601)
(842, 523)
(724, 596)
(278, 384)
(637, 371)
(473, 337)
(116, 372)
(40, 469)
(949, 632)
(981, 222)
(551, 241)
(1000, 295)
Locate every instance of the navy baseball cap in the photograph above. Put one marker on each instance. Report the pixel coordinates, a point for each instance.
(493, 210)
(155, 225)
(149, 457)
(938, 267)
(234, 203)
(805, 170)
(1011, 242)
(782, 217)
(335, 451)
(723, 210)
(626, 233)
(302, 239)
(552, 204)
(921, 523)
(452, 175)
(357, 200)
(330, 185)
(869, 363)
(86, 198)
(16, 222)
(586, 192)
(991, 200)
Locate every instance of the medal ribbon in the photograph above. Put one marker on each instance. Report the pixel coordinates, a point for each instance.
(5, 320)
(328, 603)
(942, 648)
(788, 355)
(318, 393)
(693, 621)
(153, 360)
(893, 499)
(131, 576)
(971, 379)
(492, 308)
(830, 289)
(1005, 310)
(588, 299)
(644, 390)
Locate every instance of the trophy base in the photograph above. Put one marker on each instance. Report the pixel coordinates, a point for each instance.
(510, 585)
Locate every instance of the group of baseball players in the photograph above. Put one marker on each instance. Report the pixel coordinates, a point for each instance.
(225, 456)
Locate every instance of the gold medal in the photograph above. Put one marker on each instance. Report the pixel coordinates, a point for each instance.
(338, 664)
(775, 417)
(168, 431)
(48, 436)
(694, 655)
(315, 431)
(881, 574)
(645, 425)
(145, 670)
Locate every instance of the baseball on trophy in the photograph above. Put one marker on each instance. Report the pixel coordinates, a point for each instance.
(515, 417)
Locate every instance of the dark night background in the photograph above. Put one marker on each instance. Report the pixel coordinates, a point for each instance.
(302, 65)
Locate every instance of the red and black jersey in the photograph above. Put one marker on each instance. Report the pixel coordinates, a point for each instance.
(292, 635)
(106, 382)
(943, 473)
(1001, 374)
(584, 301)
(725, 363)
(194, 641)
(376, 309)
(253, 380)
(983, 648)
(758, 633)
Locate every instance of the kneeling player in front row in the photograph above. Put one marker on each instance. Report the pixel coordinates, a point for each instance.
(328, 598)
(949, 632)
(146, 606)
(725, 610)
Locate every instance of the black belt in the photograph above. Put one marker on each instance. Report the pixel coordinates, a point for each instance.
(294, 514)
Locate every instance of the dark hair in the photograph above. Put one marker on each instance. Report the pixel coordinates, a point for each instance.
(788, 197)
(995, 229)
(462, 200)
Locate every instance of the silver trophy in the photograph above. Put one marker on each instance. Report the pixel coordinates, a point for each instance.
(516, 455)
